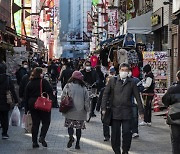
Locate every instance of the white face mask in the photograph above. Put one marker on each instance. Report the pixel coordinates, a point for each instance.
(130, 74)
(123, 75)
(25, 66)
(88, 68)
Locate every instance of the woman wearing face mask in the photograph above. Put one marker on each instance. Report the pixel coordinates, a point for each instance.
(31, 94)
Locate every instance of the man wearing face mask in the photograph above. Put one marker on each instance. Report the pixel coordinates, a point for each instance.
(23, 70)
(121, 105)
(91, 77)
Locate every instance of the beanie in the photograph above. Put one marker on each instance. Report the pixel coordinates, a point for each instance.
(77, 75)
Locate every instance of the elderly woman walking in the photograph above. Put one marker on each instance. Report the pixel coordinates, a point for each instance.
(76, 116)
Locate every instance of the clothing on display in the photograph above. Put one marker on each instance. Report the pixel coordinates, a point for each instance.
(122, 56)
(133, 57)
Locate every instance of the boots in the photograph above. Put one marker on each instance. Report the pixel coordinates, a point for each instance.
(70, 142)
(77, 146)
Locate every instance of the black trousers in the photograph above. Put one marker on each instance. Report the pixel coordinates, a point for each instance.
(93, 105)
(116, 135)
(134, 120)
(106, 131)
(4, 121)
(148, 108)
(37, 118)
(175, 138)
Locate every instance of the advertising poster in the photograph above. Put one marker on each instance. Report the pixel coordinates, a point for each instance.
(113, 21)
(17, 18)
(159, 64)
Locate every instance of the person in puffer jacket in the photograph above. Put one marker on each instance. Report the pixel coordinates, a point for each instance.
(171, 99)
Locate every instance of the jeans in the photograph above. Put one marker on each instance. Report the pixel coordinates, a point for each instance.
(175, 138)
(37, 118)
(134, 120)
(116, 135)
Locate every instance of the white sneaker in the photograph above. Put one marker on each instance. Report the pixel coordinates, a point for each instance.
(135, 135)
(149, 124)
(142, 123)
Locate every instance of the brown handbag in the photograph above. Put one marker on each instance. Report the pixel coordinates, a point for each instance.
(43, 103)
(66, 104)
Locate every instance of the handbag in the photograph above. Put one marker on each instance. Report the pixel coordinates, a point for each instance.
(174, 111)
(8, 94)
(107, 117)
(43, 103)
(66, 104)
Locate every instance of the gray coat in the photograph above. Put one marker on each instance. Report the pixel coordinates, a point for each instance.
(120, 94)
(81, 101)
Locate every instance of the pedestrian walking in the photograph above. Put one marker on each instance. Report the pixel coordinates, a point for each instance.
(120, 95)
(171, 99)
(148, 94)
(38, 116)
(75, 117)
(106, 129)
(6, 85)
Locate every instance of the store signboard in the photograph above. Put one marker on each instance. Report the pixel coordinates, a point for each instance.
(157, 19)
(113, 21)
(27, 20)
(35, 25)
(176, 6)
(158, 60)
(17, 18)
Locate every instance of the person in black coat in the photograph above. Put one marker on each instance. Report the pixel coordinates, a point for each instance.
(91, 77)
(66, 75)
(32, 93)
(170, 99)
(5, 84)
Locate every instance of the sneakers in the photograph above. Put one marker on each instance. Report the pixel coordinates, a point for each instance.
(149, 124)
(5, 137)
(142, 123)
(135, 135)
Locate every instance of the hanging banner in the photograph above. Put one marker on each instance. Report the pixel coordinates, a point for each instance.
(89, 22)
(27, 20)
(159, 63)
(17, 17)
(113, 21)
(35, 25)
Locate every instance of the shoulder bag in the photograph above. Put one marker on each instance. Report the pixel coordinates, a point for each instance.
(43, 103)
(66, 103)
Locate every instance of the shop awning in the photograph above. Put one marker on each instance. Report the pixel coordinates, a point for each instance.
(139, 25)
(109, 41)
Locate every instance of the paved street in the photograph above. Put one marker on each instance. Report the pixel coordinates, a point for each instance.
(153, 140)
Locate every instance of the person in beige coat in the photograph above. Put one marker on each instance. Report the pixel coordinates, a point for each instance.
(76, 117)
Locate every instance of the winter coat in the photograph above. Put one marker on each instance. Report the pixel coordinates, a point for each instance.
(122, 56)
(6, 84)
(81, 102)
(120, 95)
(172, 96)
(65, 76)
(90, 77)
(20, 73)
(23, 85)
(33, 92)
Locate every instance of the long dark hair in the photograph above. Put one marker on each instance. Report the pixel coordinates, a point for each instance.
(76, 81)
(36, 73)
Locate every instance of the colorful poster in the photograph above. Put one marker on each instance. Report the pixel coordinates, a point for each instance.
(113, 21)
(27, 20)
(159, 64)
(130, 10)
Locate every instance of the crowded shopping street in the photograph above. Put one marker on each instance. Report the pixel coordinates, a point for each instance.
(90, 76)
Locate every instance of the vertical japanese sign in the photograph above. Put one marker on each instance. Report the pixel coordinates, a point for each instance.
(17, 18)
(113, 21)
(89, 22)
(159, 63)
(34, 25)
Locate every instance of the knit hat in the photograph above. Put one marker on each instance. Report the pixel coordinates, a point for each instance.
(112, 69)
(147, 68)
(77, 75)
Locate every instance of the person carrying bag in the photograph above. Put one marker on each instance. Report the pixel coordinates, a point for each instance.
(35, 100)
